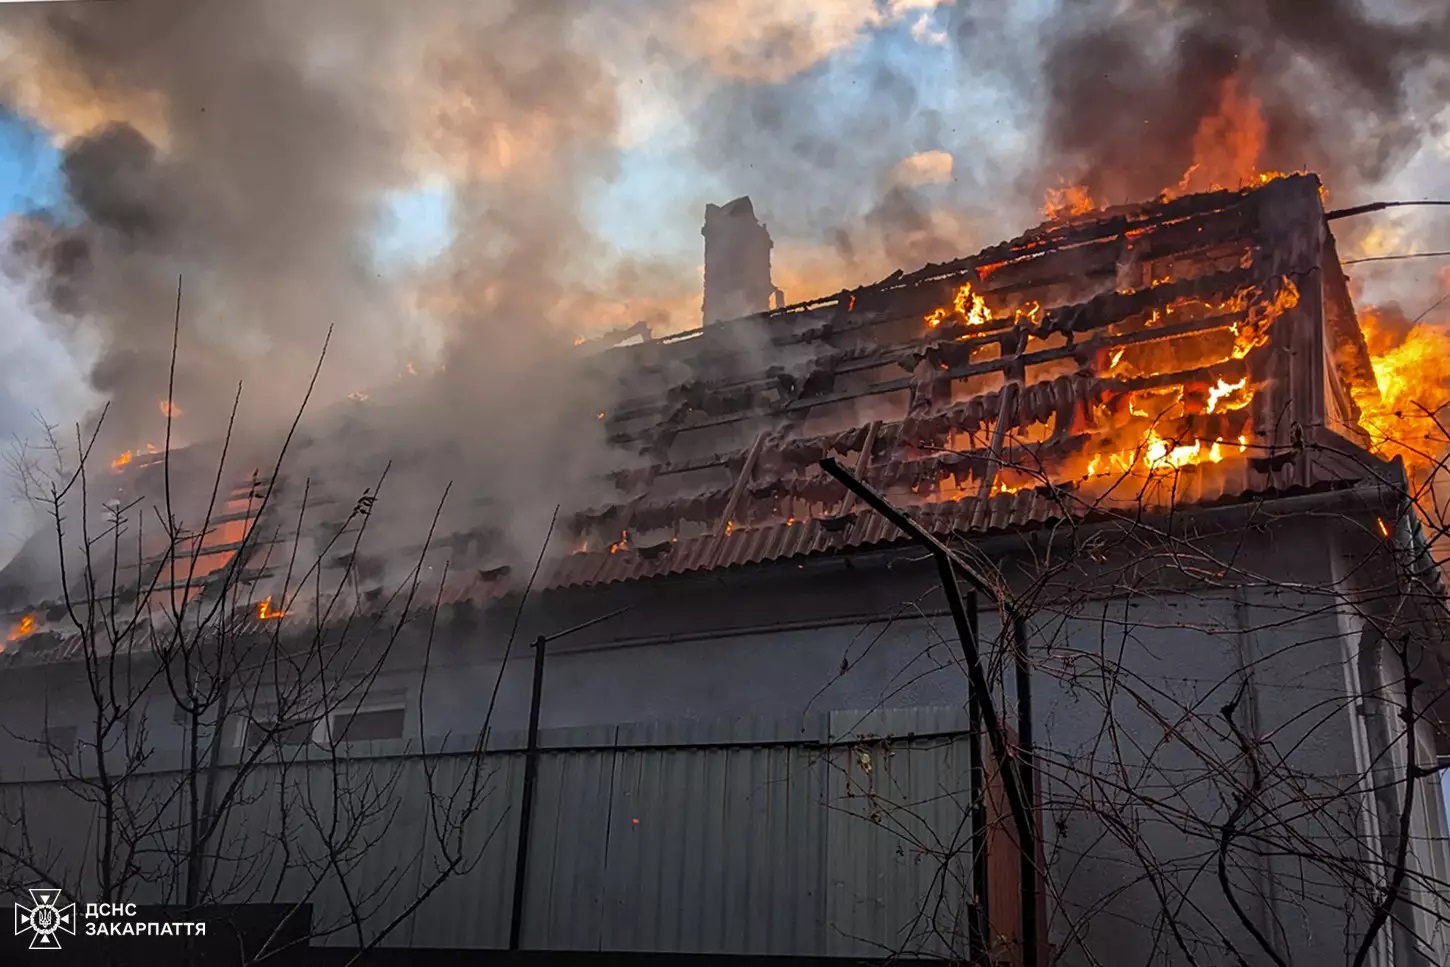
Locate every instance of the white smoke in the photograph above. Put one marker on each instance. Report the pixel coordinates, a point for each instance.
(45, 378)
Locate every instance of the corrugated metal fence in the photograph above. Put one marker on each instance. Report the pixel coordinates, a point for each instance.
(836, 834)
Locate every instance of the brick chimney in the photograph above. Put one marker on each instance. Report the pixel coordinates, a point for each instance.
(737, 262)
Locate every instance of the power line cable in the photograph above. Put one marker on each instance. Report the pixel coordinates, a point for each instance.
(1396, 258)
(1377, 206)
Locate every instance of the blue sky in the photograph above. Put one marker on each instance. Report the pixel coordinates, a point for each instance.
(412, 225)
(653, 207)
(29, 167)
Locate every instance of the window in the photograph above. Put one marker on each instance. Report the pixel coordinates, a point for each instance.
(57, 740)
(1428, 857)
(368, 724)
(283, 732)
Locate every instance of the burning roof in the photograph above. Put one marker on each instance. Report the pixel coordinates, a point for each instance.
(1190, 350)
(1184, 350)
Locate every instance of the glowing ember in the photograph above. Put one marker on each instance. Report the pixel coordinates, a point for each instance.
(1068, 200)
(169, 409)
(25, 626)
(265, 612)
(126, 457)
(578, 340)
(967, 306)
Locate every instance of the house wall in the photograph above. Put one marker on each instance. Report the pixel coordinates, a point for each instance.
(1140, 768)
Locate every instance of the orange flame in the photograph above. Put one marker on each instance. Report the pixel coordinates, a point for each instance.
(1412, 375)
(265, 612)
(967, 306)
(169, 409)
(127, 456)
(1227, 391)
(1253, 331)
(1228, 146)
(1157, 454)
(1228, 143)
(24, 627)
(1065, 201)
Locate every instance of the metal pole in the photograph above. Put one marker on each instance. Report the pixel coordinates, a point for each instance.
(531, 773)
(979, 924)
(948, 566)
(1025, 754)
(526, 804)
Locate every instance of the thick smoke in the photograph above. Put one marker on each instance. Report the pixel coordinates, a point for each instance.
(1345, 90)
(247, 147)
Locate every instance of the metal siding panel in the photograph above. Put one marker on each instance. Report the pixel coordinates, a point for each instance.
(885, 861)
(52, 813)
(743, 849)
(568, 855)
(473, 910)
(718, 860)
(397, 855)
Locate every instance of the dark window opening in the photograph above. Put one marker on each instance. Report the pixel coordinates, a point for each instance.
(58, 740)
(368, 726)
(284, 732)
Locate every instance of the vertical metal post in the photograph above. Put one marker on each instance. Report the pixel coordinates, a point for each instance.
(1013, 778)
(1027, 777)
(526, 803)
(979, 924)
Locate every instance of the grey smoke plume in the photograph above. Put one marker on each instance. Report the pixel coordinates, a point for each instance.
(246, 146)
(229, 160)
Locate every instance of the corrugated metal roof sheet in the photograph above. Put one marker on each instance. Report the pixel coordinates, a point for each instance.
(1326, 462)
